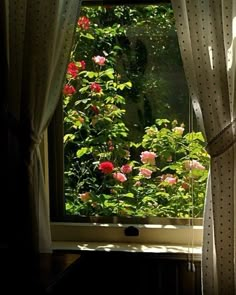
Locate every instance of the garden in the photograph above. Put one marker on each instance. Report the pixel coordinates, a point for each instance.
(130, 148)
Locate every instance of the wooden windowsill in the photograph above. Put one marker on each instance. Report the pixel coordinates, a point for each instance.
(174, 251)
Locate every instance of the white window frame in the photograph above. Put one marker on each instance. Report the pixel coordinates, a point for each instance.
(161, 237)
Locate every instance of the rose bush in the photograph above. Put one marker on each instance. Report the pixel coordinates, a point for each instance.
(163, 174)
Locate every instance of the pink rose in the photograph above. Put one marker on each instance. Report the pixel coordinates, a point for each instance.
(119, 176)
(193, 164)
(145, 172)
(179, 130)
(100, 60)
(85, 196)
(148, 157)
(126, 168)
(171, 180)
(138, 183)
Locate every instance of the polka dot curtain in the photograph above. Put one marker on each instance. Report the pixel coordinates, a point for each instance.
(207, 39)
(39, 37)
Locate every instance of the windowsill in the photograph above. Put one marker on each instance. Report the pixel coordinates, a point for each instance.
(163, 239)
(155, 234)
(174, 250)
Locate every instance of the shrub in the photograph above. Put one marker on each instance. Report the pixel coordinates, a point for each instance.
(163, 174)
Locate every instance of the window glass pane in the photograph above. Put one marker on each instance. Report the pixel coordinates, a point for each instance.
(131, 145)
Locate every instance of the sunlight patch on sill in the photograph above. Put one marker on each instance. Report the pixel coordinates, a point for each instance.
(127, 247)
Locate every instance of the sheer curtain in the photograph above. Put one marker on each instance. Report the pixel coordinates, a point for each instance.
(38, 41)
(207, 38)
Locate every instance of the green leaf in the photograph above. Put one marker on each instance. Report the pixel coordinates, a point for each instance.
(107, 197)
(109, 73)
(160, 122)
(109, 204)
(87, 35)
(82, 151)
(116, 47)
(83, 89)
(68, 137)
(86, 100)
(147, 199)
(128, 84)
(136, 145)
(194, 136)
(124, 85)
(128, 195)
(91, 74)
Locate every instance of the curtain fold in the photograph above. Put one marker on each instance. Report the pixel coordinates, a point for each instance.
(207, 39)
(39, 39)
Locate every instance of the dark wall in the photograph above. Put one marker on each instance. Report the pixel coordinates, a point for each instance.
(131, 273)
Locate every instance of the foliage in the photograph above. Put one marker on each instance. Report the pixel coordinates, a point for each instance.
(107, 172)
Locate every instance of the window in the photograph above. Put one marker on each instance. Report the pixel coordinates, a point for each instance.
(131, 154)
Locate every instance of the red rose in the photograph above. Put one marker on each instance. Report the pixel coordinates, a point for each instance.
(82, 65)
(95, 109)
(72, 69)
(68, 90)
(106, 167)
(84, 23)
(95, 87)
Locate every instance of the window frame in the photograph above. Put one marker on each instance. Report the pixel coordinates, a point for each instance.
(163, 231)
